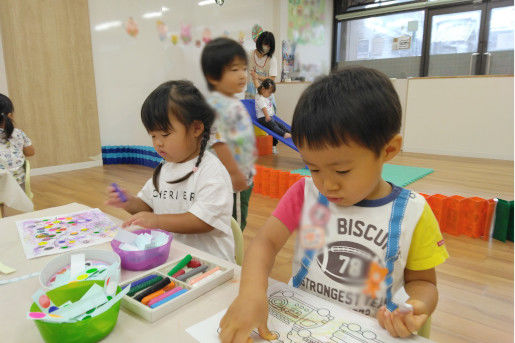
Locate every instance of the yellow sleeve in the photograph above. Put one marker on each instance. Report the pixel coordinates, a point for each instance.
(427, 248)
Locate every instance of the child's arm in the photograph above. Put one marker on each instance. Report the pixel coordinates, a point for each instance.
(29, 151)
(421, 287)
(178, 223)
(132, 205)
(267, 116)
(239, 181)
(250, 310)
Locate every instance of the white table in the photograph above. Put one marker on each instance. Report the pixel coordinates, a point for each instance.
(11, 194)
(15, 297)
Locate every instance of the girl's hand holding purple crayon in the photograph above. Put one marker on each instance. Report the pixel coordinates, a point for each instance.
(118, 197)
(145, 219)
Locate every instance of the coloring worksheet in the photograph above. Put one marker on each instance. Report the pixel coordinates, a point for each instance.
(298, 317)
(54, 235)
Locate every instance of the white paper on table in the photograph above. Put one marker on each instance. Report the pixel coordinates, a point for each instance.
(315, 320)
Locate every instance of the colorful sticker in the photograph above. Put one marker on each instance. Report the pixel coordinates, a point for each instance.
(162, 30)
(186, 33)
(131, 27)
(206, 35)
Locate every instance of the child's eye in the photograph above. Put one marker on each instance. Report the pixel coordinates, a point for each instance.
(343, 171)
(165, 134)
(314, 170)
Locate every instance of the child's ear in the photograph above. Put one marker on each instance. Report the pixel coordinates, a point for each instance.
(212, 81)
(392, 148)
(197, 128)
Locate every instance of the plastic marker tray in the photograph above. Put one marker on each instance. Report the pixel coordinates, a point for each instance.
(153, 314)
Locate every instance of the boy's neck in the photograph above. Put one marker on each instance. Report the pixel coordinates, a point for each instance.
(382, 190)
(224, 93)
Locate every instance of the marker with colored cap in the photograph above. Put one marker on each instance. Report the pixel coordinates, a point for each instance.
(122, 196)
(180, 265)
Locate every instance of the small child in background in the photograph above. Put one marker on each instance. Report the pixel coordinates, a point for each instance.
(14, 143)
(265, 111)
(224, 64)
(190, 193)
(360, 238)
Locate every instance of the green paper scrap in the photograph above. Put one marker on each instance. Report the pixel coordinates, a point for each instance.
(502, 214)
(398, 175)
(509, 235)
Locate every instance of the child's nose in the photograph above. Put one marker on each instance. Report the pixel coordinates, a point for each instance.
(330, 185)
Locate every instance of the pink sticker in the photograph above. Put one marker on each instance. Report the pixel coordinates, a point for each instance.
(44, 301)
(37, 315)
(107, 281)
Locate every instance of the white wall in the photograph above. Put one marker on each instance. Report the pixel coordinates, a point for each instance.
(3, 76)
(470, 117)
(128, 68)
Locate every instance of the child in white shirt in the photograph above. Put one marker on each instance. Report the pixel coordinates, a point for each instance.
(190, 193)
(14, 143)
(265, 111)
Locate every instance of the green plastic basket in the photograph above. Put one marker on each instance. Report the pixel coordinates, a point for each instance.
(85, 331)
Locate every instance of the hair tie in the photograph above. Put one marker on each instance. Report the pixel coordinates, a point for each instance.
(194, 169)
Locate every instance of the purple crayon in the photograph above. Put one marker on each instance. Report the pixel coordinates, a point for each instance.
(122, 196)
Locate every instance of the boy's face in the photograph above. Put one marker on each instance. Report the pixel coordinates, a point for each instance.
(234, 78)
(350, 172)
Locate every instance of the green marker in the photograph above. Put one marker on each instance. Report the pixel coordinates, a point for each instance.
(180, 265)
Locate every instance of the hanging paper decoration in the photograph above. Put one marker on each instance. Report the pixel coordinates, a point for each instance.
(241, 37)
(225, 34)
(256, 31)
(198, 43)
(131, 27)
(162, 30)
(174, 39)
(206, 35)
(186, 33)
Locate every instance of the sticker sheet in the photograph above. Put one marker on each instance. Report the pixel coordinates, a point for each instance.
(57, 234)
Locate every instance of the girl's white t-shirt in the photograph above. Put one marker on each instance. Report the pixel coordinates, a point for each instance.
(262, 102)
(207, 194)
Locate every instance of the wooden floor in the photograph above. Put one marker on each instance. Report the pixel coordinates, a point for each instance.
(475, 284)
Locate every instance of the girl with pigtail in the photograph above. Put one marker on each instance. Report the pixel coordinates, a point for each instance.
(190, 193)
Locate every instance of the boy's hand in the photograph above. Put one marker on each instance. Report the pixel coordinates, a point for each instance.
(403, 324)
(113, 198)
(245, 314)
(239, 182)
(144, 219)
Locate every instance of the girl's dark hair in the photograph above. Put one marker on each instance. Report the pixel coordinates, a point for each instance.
(185, 102)
(266, 84)
(354, 103)
(218, 54)
(6, 107)
(266, 38)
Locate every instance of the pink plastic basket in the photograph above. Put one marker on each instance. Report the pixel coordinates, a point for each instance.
(145, 259)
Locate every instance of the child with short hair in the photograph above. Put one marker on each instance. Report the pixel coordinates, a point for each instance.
(360, 238)
(265, 111)
(15, 146)
(190, 191)
(224, 64)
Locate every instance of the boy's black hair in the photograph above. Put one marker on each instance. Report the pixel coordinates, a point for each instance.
(185, 102)
(266, 38)
(266, 84)
(354, 103)
(6, 107)
(218, 54)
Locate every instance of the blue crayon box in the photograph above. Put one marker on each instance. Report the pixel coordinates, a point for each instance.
(192, 281)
